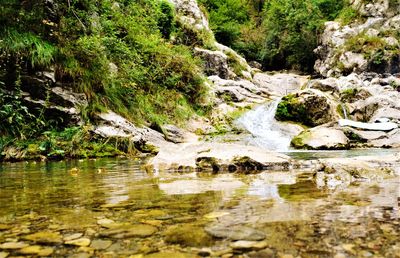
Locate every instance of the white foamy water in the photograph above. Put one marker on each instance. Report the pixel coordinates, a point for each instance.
(265, 130)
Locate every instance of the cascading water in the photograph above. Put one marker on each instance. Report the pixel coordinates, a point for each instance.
(265, 130)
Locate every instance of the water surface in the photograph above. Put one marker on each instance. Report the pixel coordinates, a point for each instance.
(124, 211)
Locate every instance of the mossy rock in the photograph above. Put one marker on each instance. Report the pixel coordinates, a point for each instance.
(187, 235)
(308, 108)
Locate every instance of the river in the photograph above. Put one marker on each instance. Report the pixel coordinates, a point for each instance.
(115, 208)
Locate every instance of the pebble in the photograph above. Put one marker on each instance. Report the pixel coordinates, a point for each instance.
(79, 242)
(37, 250)
(13, 245)
(4, 254)
(72, 236)
(99, 244)
(236, 233)
(45, 237)
(243, 244)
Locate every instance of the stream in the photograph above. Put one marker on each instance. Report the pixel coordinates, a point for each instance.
(114, 208)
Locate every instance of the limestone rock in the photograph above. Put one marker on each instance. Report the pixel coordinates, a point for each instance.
(110, 124)
(280, 84)
(190, 13)
(217, 157)
(215, 62)
(237, 91)
(310, 107)
(321, 138)
(237, 232)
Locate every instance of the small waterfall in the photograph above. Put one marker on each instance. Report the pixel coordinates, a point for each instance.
(344, 110)
(266, 131)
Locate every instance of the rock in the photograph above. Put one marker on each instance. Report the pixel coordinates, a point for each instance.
(237, 91)
(390, 140)
(110, 124)
(187, 235)
(177, 135)
(321, 138)
(310, 107)
(388, 126)
(362, 167)
(353, 62)
(99, 244)
(216, 62)
(325, 85)
(255, 64)
(235, 232)
(189, 13)
(266, 253)
(280, 84)
(37, 250)
(108, 223)
(137, 230)
(45, 237)
(13, 245)
(170, 254)
(79, 242)
(237, 64)
(244, 244)
(4, 254)
(72, 237)
(218, 157)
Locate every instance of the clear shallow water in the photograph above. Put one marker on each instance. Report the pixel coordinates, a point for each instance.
(166, 215)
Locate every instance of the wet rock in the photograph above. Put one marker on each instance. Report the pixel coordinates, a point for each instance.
(79, 242)
(99, 244)
(81, 255)
(5, 227)
(321, 138)
(37, 250)
(187, 235)
(138, 230)
(310, 107)
(72, 237)
(235, 232)
(167, 254)
(45, 237)
(243, 244)
(266, 253)
(13, 245)
(4, 254)
(218, 157)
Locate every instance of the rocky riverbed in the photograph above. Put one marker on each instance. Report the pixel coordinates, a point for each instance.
(117, 208)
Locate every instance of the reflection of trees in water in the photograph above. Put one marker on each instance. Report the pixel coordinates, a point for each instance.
(301, 190)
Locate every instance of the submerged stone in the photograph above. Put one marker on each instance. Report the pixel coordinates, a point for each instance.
(188, 235)
(138, 230)
(37, 250)
(169, 255)
(79, 242)
(13, 245)
(236, 233)
(99, 244)
(243, 244)
(45, 237)
(4, 254)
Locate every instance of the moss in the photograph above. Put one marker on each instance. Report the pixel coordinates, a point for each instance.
(298, 141)
(290, 109)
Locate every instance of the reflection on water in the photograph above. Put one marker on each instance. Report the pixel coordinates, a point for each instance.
(122, 210)
(315, 154)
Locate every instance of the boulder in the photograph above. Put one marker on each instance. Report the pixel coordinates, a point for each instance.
(321, 138)
(386, 126)
(112, 125)
(189, 13)
(280, 84)
(237, 91)
(390, 140)
(325, 85)
(310, 107)
(215, 62)
(217, 157)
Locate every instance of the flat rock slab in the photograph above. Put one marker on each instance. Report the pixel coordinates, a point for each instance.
(218, 157)
(387, 126)
(45, 237)
(236, 232)
(139, 230)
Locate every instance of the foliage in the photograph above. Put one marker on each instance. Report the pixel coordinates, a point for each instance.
(118, 53)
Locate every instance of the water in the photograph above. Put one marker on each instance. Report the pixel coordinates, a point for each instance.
(166, 215)
(265, 130)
